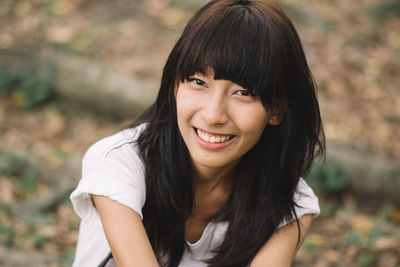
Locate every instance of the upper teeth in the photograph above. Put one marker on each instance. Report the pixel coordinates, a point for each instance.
(212, 138)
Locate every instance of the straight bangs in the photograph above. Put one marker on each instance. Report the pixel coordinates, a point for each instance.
(233, 45)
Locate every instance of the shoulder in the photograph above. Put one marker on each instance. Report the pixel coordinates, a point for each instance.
(112, 167)
(306, 202)
(305, 199)
(119, 143)
(113, 153)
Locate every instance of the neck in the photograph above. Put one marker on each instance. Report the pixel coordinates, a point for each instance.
(207, 180)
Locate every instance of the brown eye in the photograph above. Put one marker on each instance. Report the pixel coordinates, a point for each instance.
(197, 81)
(243, 92)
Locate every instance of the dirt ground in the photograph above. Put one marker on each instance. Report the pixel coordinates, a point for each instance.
(353, 53)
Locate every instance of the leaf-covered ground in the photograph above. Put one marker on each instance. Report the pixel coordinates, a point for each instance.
(353, 48)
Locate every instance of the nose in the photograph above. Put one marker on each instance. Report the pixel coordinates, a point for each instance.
(215, 110)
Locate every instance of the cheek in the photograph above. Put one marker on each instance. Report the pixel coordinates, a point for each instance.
(187, 102)
(181, 115)
(252, 122)
(185, 109)
(182, 107)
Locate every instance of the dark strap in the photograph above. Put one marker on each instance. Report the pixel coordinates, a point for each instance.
(106, 260)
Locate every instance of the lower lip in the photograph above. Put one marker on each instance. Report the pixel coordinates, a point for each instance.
(212, 146)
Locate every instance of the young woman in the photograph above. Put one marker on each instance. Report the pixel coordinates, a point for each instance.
(211, 174)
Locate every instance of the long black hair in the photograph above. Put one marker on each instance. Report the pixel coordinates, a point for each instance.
(254, 44)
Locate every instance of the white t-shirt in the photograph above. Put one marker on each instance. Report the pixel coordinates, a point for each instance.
(113, 168)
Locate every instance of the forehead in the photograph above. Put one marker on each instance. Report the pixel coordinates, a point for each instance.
(244, 45)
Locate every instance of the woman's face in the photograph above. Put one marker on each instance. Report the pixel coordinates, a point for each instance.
(219, 120)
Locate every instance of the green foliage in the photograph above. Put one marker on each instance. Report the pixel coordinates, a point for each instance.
(329, 177)
(27, 85)
(364, 259)
(6, 80)
(376, 232)
(68, 257)
(353, 237)
(327, 209)
(37, 218)
(384, 211)
(310, 247)
(7, 235)
(60, 153)
(384, 10)
(39, 239)
(48, 9)
(23, 173)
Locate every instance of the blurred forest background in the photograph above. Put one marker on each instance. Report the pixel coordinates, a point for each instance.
(74, 71)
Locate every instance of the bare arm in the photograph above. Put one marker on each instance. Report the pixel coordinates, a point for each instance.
(125, 233)
(280, 249)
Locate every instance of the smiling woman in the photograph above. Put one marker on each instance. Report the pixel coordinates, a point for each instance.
(211, 174)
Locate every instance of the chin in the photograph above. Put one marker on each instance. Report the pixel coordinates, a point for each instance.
(213, 162)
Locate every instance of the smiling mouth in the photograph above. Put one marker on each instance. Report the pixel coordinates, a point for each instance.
(213, 138)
